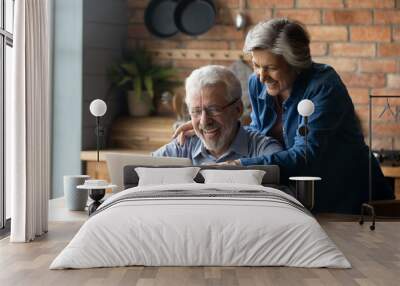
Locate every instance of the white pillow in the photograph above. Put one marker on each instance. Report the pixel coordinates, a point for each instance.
(166, 176)
(248, 177)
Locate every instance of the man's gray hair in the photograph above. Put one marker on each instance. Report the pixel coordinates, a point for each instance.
(212, 75)
(284, 37)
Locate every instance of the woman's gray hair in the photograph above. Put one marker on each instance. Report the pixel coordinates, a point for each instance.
(284, 37)
(212, 75)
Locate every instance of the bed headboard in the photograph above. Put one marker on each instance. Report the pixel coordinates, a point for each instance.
(271, 176)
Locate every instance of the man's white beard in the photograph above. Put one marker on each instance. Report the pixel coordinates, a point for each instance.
(221, 142)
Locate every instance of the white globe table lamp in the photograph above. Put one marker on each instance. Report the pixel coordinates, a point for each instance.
(305, 108)
(98, 107)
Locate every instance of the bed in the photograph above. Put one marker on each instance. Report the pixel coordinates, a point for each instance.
(201, 224)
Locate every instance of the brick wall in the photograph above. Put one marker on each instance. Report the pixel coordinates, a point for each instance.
(359, 38)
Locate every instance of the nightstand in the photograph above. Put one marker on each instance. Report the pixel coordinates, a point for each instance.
(305, 190)
(96, 193)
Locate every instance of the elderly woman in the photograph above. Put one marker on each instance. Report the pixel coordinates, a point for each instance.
(284, 75)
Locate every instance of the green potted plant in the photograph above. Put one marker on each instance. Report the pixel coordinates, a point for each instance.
(140, 79)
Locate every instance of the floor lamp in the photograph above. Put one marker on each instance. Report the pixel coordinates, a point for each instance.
(305, 184)
(97, 108)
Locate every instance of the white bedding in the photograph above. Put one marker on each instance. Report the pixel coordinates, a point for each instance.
(182, 231)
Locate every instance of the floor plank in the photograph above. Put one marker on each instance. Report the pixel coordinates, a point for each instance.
(375, 257)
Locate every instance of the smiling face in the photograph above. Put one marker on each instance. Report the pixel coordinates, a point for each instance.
(214, 118)
(274, 72)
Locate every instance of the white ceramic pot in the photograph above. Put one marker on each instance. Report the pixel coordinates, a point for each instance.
(139, 105)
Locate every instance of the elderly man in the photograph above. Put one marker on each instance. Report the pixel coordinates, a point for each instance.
(213, 97)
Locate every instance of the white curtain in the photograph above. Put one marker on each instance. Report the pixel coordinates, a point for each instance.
(30, 121)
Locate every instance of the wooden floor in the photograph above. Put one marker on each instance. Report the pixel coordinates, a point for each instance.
(375, 257)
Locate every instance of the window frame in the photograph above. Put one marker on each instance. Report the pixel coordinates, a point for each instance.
(6, 39)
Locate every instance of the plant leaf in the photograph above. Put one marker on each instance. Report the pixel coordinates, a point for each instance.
(148, 83)
(163, 73)
(137, 84)
(136, 71)
(125, 80)
(130, 68)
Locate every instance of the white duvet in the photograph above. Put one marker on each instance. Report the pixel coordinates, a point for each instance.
(183, 231)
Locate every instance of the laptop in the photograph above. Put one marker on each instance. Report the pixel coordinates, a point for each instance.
(116, 161)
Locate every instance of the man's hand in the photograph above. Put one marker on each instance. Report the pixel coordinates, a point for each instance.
(231, 163)
(183, 131)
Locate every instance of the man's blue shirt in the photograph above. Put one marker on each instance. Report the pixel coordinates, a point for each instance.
(336, 150)
(246, 144)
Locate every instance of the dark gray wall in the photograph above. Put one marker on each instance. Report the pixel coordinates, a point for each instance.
(105, 25)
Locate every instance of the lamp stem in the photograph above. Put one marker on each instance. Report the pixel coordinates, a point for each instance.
(306, 133)
(97, 137)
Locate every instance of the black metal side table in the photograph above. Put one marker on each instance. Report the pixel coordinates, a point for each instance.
(305, 190)
(96, 192)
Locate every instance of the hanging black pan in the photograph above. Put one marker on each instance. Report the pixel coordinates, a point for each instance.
(159, 18)
(195, 17)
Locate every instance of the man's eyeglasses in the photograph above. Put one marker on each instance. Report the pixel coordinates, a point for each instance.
(211, 111)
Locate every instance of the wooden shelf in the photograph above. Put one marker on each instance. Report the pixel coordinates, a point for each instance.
(389, 171)
(393, 172)
(91, 155)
